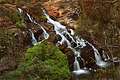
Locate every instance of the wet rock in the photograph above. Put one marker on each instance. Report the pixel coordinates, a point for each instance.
(52, 38)
(38, 33)
(88, 55)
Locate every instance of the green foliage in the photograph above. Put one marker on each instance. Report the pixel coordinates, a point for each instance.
(17, 19)
(42, 62)
(12, 15)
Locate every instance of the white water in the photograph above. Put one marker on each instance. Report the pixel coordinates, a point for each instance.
(33, 40)
(80, 43)
(76, 64)
(45, 34)
(61, 30)
(20, 10)
(98, 57)
(105, 56)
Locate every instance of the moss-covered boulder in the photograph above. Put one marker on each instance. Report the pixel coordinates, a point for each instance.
(42, 62)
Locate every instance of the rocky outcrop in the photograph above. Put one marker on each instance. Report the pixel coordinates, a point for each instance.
(13, 40)
(64, 11)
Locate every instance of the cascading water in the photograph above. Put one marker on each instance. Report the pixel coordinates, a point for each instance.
(76, 64)
(61, 30)
(75, 43)
(80, 43)
(98, 57)
(33, 39)
(45, 34)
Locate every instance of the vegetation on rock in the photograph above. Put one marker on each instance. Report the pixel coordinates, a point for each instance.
(42, 62)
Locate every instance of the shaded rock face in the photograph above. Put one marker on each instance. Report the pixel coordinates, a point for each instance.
(12, 48)
(13, 40)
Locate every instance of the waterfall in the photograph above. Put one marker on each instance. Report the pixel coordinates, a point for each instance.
(81, 43)
(45, 34)
(62, 31)
(76, 64)
(33, 39)
(75, 43)
(98, 57)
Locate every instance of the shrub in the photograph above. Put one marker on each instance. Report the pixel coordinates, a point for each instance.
(42, 62)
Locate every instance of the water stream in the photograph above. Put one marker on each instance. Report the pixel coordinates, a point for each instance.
(75, 43)
(80, 43)
(33, 40)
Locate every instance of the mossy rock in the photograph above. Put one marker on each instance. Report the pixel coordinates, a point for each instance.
(42, 62)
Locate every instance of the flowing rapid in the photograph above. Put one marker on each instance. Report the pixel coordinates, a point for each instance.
(75, 43)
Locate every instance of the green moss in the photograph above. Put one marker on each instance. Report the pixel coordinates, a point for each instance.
(42, 62)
